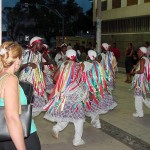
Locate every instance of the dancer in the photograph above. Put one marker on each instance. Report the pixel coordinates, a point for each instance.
(31, 71)
(95, 81)
(68, 98)
(140, 82)
(110, 65)
(48, 70)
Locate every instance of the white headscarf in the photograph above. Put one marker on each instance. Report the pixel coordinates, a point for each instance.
(143, 50)
(105, 46)
(92, 54)
(71, 54)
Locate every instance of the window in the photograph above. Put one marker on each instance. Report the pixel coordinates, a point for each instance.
(146, 1)
(116, 4)
(104, 5)
(132, 2)
(137, 24)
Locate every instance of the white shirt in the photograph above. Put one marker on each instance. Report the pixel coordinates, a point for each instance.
(59, 58)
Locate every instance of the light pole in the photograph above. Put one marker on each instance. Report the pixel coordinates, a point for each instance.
(54, 11)
(98, 26)
(97, 19)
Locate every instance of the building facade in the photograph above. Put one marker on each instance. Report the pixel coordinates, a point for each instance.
(125, 21)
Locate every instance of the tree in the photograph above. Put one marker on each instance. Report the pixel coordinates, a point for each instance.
(45, 18)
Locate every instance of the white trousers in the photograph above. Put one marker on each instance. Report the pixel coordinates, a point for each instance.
(78, 124)
(95, 121)
(139, 105)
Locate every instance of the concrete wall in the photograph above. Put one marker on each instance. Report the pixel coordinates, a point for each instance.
(125, 12)
(122, 41)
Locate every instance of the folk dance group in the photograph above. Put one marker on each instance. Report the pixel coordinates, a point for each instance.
(75, 89)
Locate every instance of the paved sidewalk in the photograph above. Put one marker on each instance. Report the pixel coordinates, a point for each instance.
(121, 116)
(95, 139)
(117, 123)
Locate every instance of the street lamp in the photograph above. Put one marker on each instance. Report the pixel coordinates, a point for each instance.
(54, 11)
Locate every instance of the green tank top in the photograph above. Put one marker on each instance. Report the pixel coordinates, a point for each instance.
(23, 101)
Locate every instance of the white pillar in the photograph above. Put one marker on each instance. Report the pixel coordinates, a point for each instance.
(98, 26)
(109, 4)
(140, 2)
(0, 22)
(123, 3)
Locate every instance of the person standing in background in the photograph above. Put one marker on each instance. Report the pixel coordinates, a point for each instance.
(115, 50)
(61, 56)
(129, 61)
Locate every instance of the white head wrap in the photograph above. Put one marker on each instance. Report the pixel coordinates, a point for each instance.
(105, 46)
(71, 54)
(64, 44)
(92, 54)
(143, 50)
(34, 39)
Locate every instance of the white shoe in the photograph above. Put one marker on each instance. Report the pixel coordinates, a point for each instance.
(55, 134)
(79, 143)
(97, 126)
(137, 115)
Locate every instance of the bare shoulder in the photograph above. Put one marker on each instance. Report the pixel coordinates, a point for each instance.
(11, 80)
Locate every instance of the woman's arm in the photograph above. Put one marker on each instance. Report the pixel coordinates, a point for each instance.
(131, 53)
(12, 105)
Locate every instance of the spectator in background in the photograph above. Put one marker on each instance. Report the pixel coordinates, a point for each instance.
(147, 45)
(129, 61)
(116, 51)
(61, 56)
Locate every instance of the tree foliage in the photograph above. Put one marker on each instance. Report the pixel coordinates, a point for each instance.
(45, 18)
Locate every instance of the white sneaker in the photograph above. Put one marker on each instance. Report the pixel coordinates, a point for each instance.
(55, 134)
(79, 143)
(137, 115)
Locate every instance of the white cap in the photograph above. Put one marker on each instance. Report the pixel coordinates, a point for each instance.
(92, 54)
(143, 50)
(35, 39)
(69, 47)
(71, 54)
(64, 44)
(105, 46)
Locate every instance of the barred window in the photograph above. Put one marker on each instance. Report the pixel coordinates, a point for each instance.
(137, 24)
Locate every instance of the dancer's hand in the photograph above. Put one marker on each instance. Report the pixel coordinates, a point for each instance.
(33, 65)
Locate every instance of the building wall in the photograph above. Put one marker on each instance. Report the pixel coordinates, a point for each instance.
(126, 12)
(125, 21)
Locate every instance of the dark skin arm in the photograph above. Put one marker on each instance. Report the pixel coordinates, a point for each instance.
(56, 75)
(142, 62)
(47, 61)
(33, 65)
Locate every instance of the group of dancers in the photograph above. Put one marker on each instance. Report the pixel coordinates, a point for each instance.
(72, 90)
